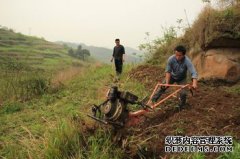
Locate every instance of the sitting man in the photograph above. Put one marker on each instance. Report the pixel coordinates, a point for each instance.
(176, 72)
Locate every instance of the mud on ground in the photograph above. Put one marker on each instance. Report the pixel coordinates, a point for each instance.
(211, 111)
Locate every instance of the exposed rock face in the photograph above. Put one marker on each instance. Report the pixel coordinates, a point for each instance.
(223, 43)
(221, 63)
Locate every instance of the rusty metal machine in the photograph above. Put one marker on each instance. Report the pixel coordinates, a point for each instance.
(115, 109)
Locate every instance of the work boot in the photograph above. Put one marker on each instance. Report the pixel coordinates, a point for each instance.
(180, 107)
(182, 101)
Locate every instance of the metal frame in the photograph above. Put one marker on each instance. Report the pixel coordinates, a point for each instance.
(153, 106)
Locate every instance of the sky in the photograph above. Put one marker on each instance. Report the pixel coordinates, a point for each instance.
(96, 22)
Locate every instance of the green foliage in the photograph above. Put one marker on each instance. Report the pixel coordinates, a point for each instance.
(234, 89)
(102, 147)
(213, 24)
(65, 142)
(27, 64)
(80, 53)
(232, 155)
(69, 140)
(198, 156)
(36, 85)
(48, 98)
(40, 117)
(20, 80)
(11, 107)
(213, 28)
(32, 50)
(160, 48)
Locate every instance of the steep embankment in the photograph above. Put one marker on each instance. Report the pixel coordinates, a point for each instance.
(213, 43)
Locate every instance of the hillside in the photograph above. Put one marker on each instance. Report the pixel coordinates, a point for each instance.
(213, 41)
(46, 97)
(57, 126)
(104, 54)
(29, 66)
(34, 51)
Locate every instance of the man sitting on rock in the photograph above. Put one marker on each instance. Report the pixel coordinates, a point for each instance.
(176, 72)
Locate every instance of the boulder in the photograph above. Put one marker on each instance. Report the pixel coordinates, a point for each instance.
(221, 63)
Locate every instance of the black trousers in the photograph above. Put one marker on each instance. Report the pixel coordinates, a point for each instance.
(182, 94)
(118, 65)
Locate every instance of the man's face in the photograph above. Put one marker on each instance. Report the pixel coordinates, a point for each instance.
(179, 55)
(117, 43)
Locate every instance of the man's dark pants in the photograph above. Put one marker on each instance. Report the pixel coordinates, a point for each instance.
(118, 65)
(183, 92)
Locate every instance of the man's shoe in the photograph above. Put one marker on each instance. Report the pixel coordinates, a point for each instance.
(180, 106)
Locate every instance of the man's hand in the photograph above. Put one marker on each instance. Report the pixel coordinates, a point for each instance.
(111, 60)
(123, 60)
(194, 85)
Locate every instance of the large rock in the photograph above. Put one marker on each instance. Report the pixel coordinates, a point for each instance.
(221, 63)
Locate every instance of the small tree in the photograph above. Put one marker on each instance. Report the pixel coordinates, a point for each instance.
(79, 47)
(71, 52)
(85, 53)
(79, 53)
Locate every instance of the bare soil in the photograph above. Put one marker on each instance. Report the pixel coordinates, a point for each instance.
(211, 111)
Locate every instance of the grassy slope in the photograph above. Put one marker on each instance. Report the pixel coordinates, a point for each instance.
(37, 52)
(23, 135)
(25, 59)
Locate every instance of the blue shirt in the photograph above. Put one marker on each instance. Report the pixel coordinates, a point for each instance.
(178, 69)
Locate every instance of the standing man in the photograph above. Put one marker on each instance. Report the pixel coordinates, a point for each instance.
(176, 72)
(118, 56)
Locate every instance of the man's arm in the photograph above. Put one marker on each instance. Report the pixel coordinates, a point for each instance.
(123, 54)
(113, 55)
(193, 72)
(168, 76)
(123, 57)
(168, 71)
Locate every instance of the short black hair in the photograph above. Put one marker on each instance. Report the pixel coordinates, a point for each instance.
(117, 39)
(181, 49)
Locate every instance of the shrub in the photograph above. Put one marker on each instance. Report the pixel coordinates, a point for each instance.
(11, 107)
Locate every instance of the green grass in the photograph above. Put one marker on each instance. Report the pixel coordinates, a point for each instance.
(232, 155)
(234, 89)
(39, 115)
(40, 127)
(27, 63)
(37, 52)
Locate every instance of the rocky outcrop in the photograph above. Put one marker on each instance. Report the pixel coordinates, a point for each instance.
(223, 43)
(221, 63)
